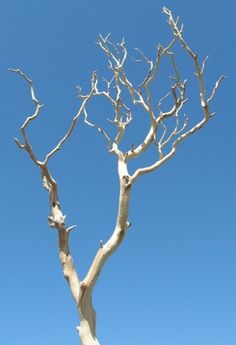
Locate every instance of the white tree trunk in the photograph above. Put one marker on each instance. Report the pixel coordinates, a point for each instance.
(87, 327)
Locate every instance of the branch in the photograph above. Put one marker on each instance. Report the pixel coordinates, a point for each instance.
(215, 88)
(85, 98)
(122, 117)
(116, 64)
(56, 218)
(117, 55)
(122, 224)
(100, 129)
(38, 106)
(198, 70)
(179, 101)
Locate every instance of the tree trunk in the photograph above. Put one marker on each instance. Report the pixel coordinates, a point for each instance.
(87, 327)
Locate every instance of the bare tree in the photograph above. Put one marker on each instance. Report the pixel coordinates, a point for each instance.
(167, 130)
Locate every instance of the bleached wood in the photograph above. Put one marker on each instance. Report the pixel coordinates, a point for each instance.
(165, 139)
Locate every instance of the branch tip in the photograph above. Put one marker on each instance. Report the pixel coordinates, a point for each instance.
(21, 146)
(215, 88)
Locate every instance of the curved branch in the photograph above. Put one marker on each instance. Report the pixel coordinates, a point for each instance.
(204, 101)
(56, 218)
(29, 119)
(75, 119)
(165, 158)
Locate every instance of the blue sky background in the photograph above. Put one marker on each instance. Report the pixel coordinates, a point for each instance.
(173, 280)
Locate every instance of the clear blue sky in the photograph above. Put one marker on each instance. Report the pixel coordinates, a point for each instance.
(173, 282)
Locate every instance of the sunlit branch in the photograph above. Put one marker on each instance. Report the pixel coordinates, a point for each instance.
(100, 129)
(198, 70)
(204, 64)
(215, 88)
(150, 64)
(117, 55)
(56, 218)
(29, 119)
(177, 135)
(116, 64)
(73, 124)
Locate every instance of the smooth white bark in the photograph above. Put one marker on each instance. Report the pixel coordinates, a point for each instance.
(87, 327)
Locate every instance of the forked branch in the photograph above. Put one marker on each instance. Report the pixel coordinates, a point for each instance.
(56, 218)
(179, 134)
(164, 137)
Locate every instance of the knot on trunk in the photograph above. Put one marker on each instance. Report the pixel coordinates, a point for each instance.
(56, 219)
(126, 179)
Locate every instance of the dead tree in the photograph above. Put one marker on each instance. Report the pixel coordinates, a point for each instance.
(167, 130)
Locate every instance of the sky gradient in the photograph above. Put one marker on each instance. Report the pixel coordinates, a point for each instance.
(173, 280)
